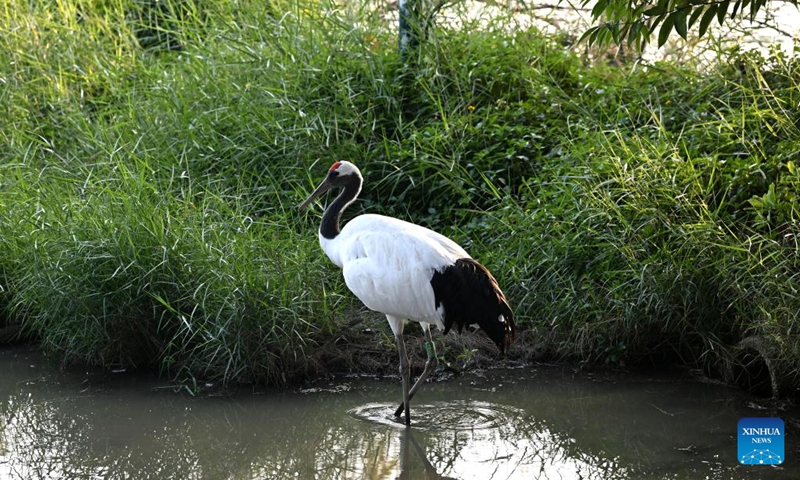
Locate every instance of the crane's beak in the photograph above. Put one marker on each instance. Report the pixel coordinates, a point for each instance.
(322, 188)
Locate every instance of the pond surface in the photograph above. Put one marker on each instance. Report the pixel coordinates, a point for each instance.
(537, 422)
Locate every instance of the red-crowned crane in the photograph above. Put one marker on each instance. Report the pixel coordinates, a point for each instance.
(409, 272)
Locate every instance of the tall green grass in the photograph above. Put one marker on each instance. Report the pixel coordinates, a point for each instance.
(667, 225)
(107, 267)
(153, 158)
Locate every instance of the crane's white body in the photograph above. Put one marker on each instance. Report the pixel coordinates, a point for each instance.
(409, 272)
(388, 264)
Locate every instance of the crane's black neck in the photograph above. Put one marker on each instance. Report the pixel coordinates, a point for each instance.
(333, 214)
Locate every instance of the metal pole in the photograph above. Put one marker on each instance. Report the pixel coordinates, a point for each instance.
(409, 26)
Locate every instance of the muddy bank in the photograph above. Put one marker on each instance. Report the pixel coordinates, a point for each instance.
(365, 346)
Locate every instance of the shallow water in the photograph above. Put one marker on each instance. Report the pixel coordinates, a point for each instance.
(537, 422)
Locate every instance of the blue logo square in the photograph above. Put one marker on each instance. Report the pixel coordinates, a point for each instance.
(761, 441)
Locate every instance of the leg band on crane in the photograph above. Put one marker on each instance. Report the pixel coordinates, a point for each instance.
(431, 349)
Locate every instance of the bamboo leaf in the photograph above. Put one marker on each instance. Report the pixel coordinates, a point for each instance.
(656, 22)
(655, 11)
(680, 21)
(599, 8)
(644, 35)
(711, 12)
(602, 36)
(633, 34)
(589, 35)
(696, 15)
(755, 7)
(736, 5)
(621, 33)
(666, 29)
(723, 9)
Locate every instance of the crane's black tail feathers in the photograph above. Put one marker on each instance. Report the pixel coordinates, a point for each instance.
(469, 294)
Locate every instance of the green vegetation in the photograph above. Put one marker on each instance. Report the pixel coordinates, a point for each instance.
(152, 161)
(636, 21)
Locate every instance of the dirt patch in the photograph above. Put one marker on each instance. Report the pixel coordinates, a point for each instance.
(366, 346)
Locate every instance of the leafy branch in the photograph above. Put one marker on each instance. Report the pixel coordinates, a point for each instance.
(635, 21)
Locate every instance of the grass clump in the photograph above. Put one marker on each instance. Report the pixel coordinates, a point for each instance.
(656, 241)
(154, 155)
(107, 268)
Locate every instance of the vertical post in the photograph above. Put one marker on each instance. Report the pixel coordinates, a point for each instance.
(409, 27)
(407, 43)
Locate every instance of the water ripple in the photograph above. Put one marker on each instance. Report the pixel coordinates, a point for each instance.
(452, 415)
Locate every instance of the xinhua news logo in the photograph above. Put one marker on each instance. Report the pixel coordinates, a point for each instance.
(761, 441)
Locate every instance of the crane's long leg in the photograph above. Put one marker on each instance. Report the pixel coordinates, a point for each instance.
(405, 374)
(430, 365)
(397, 325)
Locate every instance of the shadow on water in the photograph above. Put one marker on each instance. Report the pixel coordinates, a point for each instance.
(542, 422)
